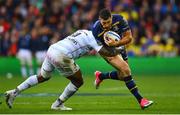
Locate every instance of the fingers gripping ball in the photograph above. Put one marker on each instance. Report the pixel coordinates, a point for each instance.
(111, 35)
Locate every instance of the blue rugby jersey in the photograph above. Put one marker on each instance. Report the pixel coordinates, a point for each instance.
(119, 25)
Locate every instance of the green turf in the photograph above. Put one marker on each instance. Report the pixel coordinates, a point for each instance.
(111, 98)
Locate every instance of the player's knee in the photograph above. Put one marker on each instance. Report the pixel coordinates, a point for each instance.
(42, 79)
(45, 74)
(126, 71)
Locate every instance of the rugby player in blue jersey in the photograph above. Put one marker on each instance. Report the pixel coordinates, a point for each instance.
(118, 24)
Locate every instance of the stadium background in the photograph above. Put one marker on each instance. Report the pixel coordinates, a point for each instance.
(153, 54)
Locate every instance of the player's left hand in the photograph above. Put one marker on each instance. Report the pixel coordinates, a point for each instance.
(110, 42)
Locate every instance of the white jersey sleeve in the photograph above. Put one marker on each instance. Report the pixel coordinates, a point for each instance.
(77, 44)
(92, 42)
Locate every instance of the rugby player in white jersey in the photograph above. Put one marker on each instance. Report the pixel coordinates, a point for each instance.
(61, 56)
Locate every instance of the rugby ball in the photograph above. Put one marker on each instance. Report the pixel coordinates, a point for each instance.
(112, 35)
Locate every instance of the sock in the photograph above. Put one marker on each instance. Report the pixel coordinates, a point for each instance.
(29, 82)
(57, 102)
(130, 84)
(23, 71)
(68, 92)
(109, 75)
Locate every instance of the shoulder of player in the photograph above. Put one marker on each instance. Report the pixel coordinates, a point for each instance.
(117, 17)
(119, 20)
(96, 25)
(96, 28)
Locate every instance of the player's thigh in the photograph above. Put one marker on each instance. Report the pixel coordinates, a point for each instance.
(118, 63)
(46, 68)
(64, 64)
(67, 67)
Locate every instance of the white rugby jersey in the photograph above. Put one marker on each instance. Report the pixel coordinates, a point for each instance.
(77, 44)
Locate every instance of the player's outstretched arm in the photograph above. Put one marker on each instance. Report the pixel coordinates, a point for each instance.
(105, 51)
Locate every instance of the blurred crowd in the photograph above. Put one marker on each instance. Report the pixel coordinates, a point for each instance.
(154, 23)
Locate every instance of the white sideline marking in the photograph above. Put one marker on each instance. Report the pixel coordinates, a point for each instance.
(98, 94)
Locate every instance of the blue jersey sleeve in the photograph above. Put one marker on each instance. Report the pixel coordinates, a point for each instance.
(95, 29)
(121, 23)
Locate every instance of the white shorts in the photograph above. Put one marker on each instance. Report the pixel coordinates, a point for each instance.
(56, 59)
(25, 56)
(40, 56)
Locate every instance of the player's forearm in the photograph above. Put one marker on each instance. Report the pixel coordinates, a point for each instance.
(126, 38)
(124, 41)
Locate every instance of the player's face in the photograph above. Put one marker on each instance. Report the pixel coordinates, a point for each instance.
(106, 24)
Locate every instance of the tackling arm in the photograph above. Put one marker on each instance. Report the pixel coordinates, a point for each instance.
(105, 51)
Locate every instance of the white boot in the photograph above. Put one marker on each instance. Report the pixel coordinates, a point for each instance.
(10, 96)
(59, 106)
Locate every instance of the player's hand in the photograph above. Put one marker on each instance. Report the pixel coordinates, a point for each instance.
(110, 42)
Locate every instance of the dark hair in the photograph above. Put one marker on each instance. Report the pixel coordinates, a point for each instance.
(105, 13)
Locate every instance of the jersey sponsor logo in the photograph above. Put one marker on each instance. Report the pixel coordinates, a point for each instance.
(72, 40)
(101, 33)
(116, 23)
(115, 28)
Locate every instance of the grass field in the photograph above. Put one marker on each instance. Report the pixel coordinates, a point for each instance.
(112, 97)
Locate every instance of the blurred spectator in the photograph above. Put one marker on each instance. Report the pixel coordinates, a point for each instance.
(4, 26)
(24, 50)
(5, 44)
(169, 49)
